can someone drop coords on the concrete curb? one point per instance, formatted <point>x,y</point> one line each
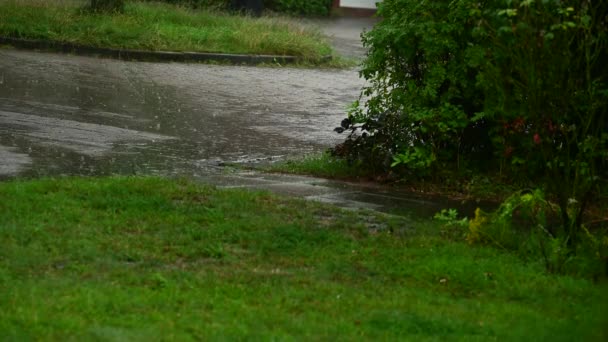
<point>142,55</point>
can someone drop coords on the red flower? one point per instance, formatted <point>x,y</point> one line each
<point>537,139</point>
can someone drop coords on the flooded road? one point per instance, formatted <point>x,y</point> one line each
<point>71,115</point>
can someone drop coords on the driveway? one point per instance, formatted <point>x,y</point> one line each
<point>345,34</point>
<point>63,114</point>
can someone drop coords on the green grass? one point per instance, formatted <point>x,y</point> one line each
<point>319,165</point>
<point>153,259</point>
<point>156,26</point>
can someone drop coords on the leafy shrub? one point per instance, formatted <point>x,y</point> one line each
<point>517,87</point>
<point>566,117</point>
<point>546,92</point>
<point>452,223</point>
<point>374,148</point>
<point>423,104</point>
<point>517,216</point>
<point>529,224</point>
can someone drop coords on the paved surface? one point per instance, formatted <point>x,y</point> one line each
<point>62,114</point>
<point>71,115</point>
<point>345,34</point>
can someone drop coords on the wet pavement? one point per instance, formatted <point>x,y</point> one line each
<point>63,114</point>
<point>345,34</point>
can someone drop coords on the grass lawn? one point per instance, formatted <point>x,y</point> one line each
<point>157,26</point>
<point>153,259</point>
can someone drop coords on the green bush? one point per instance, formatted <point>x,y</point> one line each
<point>424,105</point>
<point>525,223</point>
<point>546,91</point>
<point>516,87</point>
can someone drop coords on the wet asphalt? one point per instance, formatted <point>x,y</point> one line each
<point>71,114</point>
<point>65,114</point>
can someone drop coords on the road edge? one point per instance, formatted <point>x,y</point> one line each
<point>143,55</point>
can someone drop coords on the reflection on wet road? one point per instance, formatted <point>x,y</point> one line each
<point>62,114</point>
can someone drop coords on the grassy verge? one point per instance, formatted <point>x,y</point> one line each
<point>319,165</point>
<point>479,188</point>
<point>152,259</point>
<point>326,166</point>
<point>156,26</point>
